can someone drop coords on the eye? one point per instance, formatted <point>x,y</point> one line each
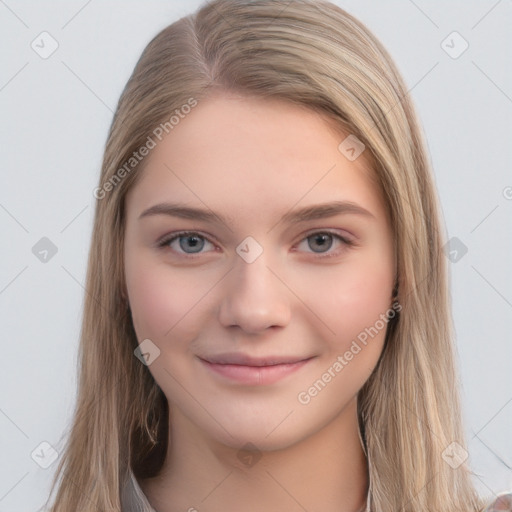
<point>324,240</point>
<point>190,243</point>
<point>186,240</point>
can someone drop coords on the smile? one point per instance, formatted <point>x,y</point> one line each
<point>253,372</point>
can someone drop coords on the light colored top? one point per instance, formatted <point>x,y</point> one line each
<point>132,497</point>
<point>134,500</point>
<point>502,503</point>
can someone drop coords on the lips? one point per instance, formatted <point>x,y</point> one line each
<point>245,369</point>
<point>246,360</point>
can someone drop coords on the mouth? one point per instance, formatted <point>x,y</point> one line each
<point>248,370</point>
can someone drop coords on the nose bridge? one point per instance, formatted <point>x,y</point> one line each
<point>254,298</point>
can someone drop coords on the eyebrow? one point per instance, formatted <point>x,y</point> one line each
<point>318,211</point>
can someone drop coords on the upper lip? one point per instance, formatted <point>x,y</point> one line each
<point>246,360</point>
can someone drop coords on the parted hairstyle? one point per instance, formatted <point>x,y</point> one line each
<point>314,54</point>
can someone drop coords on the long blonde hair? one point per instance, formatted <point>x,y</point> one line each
<point>315,54</point>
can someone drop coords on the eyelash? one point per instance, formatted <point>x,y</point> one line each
<point>164,243</point>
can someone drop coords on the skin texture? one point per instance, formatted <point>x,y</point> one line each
<point>252,161</point>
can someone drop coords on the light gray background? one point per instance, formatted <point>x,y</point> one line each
<point>55,114</point>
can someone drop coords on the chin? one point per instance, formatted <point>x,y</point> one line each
<point>270,432</point>
<point>253,437</point>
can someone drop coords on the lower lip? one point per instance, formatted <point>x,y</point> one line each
<point>255,375</point>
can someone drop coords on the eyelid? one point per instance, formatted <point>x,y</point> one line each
<point>346,241</point>
<point>345,235</point>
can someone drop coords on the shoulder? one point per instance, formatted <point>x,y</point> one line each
<point>503,502</point>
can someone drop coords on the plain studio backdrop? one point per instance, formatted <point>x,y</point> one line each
<point>64,65</point>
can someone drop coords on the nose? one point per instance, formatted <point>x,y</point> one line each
<point>255,296</point>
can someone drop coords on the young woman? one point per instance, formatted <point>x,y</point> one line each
<point>266,324</point>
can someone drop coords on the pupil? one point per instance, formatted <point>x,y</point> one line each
<point>322,238</point>
<point>194,242</point>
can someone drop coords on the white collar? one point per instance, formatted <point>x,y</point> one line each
<point>132,497</point>
<point>134,500</point>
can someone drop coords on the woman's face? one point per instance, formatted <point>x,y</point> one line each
<point>263,323</point>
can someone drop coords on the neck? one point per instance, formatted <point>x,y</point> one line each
<point>326,471</point>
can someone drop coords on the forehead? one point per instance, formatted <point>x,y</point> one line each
<point>252,154</point>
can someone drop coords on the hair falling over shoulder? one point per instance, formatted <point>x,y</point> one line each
<point>314,54</point>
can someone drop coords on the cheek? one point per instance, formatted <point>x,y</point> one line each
<point>368,295</point>
<point>161,302</point>
<point>352,302</point>
<point>351,298</point>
